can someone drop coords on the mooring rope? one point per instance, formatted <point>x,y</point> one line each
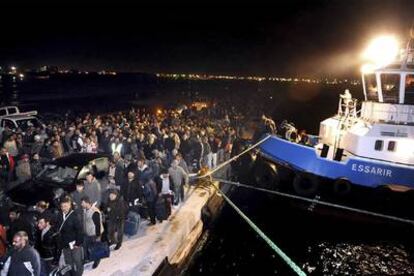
<point>209,174</point>
<point>222,165</point>
<point>285,257</point>
<point>317,201</point>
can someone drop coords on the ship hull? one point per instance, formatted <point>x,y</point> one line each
<point>358,170</point>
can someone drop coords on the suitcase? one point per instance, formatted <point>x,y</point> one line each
<point>60,271</point>
<point>132,223</point>
<point>98,250</point>
<point>161,211</point>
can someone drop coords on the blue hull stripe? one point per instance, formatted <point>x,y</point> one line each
<point>358,170</point>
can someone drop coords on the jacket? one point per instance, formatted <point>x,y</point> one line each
<point>22,262</point>
<point>116,210</point>
<point>131,190</point>
<point>69,230</point>
<point>150,191</point>
<point>178,176</point>
<point>93,191</point>
<point>47,245</point>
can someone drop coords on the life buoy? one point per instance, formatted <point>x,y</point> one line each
<point>291,135</point>
<point>266,175</point>
<point>342,187</point>
<point>305,184</point>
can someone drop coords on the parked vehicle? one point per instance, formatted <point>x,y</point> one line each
<point>57,177</point>
<point>15,122</point>
<point>14,110</point>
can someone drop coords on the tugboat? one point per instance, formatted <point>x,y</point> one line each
<point>369,144</point>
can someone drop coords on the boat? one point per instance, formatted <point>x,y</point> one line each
<point>369,144</point>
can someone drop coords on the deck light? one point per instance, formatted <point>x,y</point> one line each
<point>381,51</point>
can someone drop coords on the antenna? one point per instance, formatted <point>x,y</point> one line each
<point>409,50</point>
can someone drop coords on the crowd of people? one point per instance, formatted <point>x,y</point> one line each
<point>151,157</point>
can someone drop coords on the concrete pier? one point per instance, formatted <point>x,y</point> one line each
<point>167,243</point>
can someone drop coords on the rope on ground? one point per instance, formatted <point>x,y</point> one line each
<point>286,258</point>
<point>222,165</point>
<point>317,201</point>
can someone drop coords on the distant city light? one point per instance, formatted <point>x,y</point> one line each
<point>295,80</point>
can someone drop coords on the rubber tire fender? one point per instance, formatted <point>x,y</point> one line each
<point>305,184</point>
<point>342,187</point>
<point>266,175</point>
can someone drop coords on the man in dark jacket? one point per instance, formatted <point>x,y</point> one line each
<point>70,237</point>
<point>119,169</point>
<point>18,223</point>
<point>132,191</point>
<point>23,259</point>
<point>115,215</point>
<point>46,242</point>
<point>185,148</point>
<point>144,172</point>
<point>151,196</point>
<point>78,194</point>
<point>35,165</point>
<point>105,142</point>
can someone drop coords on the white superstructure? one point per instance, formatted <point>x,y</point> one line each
<point>383,127</point>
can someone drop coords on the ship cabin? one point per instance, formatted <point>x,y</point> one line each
<point>383,129</point>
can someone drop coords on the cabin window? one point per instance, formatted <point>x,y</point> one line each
<point>3,112</point>
<point>390,84</point>
<point>379,144</point>
<point>409,89</point>
<point>371,87</point>
<point>12,110</point>
<point>391,146</point>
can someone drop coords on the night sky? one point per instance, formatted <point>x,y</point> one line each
<point>309,38</point>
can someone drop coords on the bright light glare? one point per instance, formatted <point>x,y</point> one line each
<point>367,68</point>
<point>381,51</point>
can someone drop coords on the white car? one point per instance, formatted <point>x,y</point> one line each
<point>6,111</point>
<point>15,122</point>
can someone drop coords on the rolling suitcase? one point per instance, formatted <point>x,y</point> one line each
<point>160,209</point>
<point>132,224</point>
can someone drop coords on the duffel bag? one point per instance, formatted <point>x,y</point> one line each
<point>98,250</point>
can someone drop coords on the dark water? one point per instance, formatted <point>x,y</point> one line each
<point>233,248</point>
<point>305,104</point>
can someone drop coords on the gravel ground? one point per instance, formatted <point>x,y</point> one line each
<point>359,259</point>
